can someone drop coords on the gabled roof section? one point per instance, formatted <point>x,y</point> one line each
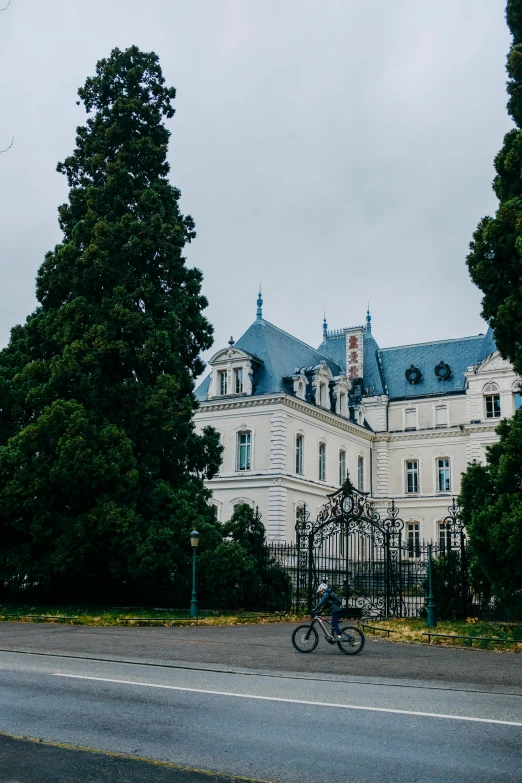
<point>280,354</point>
<point>458,354</point>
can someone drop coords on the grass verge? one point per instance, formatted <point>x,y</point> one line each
<point>411,630</point>
<point>132,616</point>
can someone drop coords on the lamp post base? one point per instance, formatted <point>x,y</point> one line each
<point>193,608</point>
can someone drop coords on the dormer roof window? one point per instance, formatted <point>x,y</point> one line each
<point>322,376</point>
<point>232,372</point>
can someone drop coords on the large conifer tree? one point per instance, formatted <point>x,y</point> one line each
<point>101,471</point>
<point>495,258</point>
<point>491,494</point>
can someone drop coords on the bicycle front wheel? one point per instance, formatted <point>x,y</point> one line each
<point>305,638</point>
<point>352,640</point>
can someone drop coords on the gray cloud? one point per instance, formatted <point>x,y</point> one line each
<point>340,151</point>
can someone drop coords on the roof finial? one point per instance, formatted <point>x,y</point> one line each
<point>259,305</point>
<point>325,327</point>
<point>368,320</point>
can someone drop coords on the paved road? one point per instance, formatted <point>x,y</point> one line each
<point>268,647</point>
<point>272,727</point>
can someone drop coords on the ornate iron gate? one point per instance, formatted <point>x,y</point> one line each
<point>369,561</point>
<point>354,549</point>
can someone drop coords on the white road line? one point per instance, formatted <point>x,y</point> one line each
<point>291,701</point>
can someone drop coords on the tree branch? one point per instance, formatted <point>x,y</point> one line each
<point>9,147</point>
<point>5,9</point>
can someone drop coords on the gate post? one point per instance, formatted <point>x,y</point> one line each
<point>432,617</point>
<point>310,569</point>
<point>387,573</point>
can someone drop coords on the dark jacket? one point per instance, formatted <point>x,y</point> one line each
<point>330,600</point>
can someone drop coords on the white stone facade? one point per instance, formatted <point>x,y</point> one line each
<point>282,450</point>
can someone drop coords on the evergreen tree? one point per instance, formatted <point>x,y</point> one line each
<point>101,470</point>
<point>241,571</point>
<point>491,498</point>
<point>491,495</point>
<point>495,258</point>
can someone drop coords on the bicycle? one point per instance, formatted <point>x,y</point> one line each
<point>305,638</point>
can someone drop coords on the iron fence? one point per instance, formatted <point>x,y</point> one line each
<point>367,559</point>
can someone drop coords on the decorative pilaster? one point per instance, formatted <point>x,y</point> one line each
<point>278,442</point>
<point>276,528</point>
<point>382,459</point>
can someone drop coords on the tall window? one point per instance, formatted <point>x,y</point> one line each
<point>342,467</point>
<point>441,416</point>
<point>299,449</point>
<point>360,473</point>
<point>238,376</point>
<point>413,539</point>
<point>323,395</point>
<point>322,462</point>
<point>343,407</point>
<point>492,400</point>
<point>517,398</point>
<point>243,451</point>
<point>443,475</point>
<point>299,514</point>
<point>223,382</point>
<point>412,475</point>
<point>410,419</point>
<point>444,537</point>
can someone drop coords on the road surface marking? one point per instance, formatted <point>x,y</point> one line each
<point>290,701</point>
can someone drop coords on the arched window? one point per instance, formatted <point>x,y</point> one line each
<point>322,462</point>
<point>492,401</point>
<point>413,534</point>
<point>517,396</point>
<point>342,467</point>
<point>443,474</point>
<point>360,474</point>
<point>244,450</point>
<point>299,454</point>
<point>412,475</point>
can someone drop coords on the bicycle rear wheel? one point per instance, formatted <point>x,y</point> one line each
<point>352,640</point>
<point>305,638</point>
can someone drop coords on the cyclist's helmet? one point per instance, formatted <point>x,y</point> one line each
<point>322,586</point>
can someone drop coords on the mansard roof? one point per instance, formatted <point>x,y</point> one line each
<point>459,354</point>
<point>281,355</point>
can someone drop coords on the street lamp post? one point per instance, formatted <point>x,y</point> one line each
<point>194,541</point>
<point>432,616</point>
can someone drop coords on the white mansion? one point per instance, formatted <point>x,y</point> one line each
<point>403,421</point>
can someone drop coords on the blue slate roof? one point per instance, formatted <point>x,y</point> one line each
<point>459,354</point>
<point>280,354</point>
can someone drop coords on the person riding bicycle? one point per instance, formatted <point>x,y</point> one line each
<point>330,600</point>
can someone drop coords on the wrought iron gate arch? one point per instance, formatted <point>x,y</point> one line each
<point>372,584</point>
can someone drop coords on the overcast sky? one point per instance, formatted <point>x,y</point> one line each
<point>338,151</point>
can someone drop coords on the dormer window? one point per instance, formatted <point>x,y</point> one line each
<point>232,372</point>
<point>223,382</point>
<point>323,395</point>
<point>341,389</point>
<point>321,385</point>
